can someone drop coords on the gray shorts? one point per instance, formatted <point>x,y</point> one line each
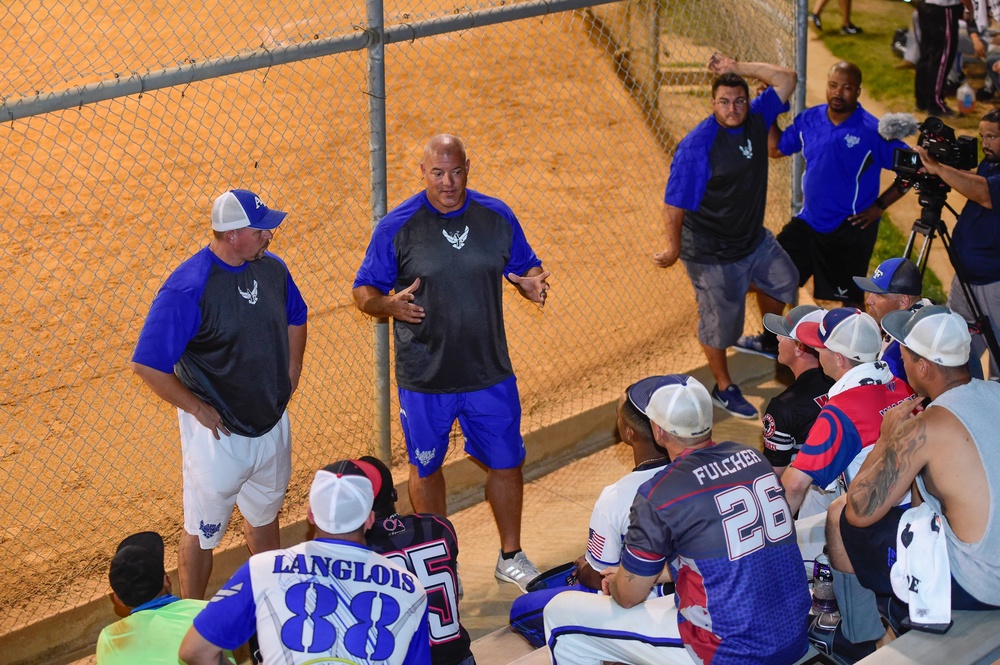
<point>721,289</point>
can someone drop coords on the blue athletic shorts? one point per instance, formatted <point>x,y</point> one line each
<point>490,419</point>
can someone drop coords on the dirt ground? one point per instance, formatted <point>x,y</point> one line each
<point>101,202</point>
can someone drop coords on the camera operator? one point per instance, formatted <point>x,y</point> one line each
<point>976,236</point>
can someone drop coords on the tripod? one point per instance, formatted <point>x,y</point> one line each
<point>928,225</point>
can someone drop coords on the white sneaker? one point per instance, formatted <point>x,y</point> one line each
<point>519,570</point>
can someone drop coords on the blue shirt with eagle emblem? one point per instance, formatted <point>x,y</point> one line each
<point>461,258</point>
<point>224,331</point>
<point>719,177</point>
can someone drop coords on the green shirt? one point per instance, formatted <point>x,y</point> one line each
<point>151,637</point>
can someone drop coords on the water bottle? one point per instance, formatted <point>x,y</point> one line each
<point>824,599</point>
<point>966,98</point>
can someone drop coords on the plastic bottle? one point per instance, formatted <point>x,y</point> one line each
<point>824,599</point>
<point>966,98</point>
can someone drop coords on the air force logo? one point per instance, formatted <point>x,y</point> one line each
<point>457,240</point>
<point>852,140</point>
<point>747,150</point>
<point>208,530</point>
<point>251,295</point>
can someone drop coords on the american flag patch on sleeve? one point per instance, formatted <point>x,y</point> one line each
<point>595,544</point>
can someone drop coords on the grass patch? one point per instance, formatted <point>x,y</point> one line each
<point>887,77</point>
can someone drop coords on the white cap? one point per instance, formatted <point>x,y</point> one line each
<point>238,209</point>
<point>847,331</point>
<point>342,495</point>
<point>934,332</point>
<point>681,406</point>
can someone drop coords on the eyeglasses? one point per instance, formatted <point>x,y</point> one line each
<point>738,103</point>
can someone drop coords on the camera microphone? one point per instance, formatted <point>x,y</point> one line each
<point>894,126</point>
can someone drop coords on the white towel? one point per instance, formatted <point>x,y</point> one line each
<point>921,576</point>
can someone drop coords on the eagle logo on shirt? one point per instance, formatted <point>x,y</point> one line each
<point>457,241</point>
<point>250,295</point>
<point>747,150</point>
<point>852,140</point>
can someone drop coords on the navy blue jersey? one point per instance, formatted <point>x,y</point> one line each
<point>719,177</point>
<point>976,237</point>
<point>426,545</point>
<point>718,517</point>
<point>843,164</point>
<point>790,415</point>
<point>224,331</point>
<point>461,258</point>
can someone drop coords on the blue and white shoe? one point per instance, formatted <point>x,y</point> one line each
<point>732,400</point>
<point>764,344</point>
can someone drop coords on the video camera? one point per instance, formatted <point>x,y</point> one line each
<point>939,140</point>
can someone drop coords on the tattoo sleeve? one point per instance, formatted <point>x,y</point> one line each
<point>895,461</point>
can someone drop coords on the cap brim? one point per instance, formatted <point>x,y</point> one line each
<point>867,285</point>
<point>269,221</point>
<point>641,391</point>
<point>808,334</point>
<point>775,323</point>
<point>894,324</point>
<point>147,540</point>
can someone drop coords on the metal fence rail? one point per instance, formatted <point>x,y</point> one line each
<point>123,122</point>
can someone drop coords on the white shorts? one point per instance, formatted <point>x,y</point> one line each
<point>589,628</point>
<point>251,472</point>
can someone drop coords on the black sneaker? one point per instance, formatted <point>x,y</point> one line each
<point>764,344</point>
<point>942,111</point>
<point>984,95</point>
<point>817,23</point>
<point>851,29</point>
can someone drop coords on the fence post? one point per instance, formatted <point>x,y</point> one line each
<point>799,101</point>
<point>379,205</point>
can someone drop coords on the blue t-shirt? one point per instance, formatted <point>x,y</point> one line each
<point>843,164</point>
<point>976,237</point>
<point>719,177</point>
<point>224,331</point>
<point>718,516</point>
<point>461,258</point>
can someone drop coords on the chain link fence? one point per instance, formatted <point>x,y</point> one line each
<point>568,116</point>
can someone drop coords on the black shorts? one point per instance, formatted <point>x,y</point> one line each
<point>872,551</point>
<point>833,260</point>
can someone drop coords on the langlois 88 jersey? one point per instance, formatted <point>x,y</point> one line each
<point>322,601</point>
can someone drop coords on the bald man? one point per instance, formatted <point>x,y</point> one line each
<point>832,237</point>
<point>436,265</point>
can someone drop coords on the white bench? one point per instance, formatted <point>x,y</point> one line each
<point>974,639</point>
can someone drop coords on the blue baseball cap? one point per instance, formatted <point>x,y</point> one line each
<point>893,276</point>
<point>239,209</point>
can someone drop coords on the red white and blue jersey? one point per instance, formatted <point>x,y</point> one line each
<point>426,545</point>
<point>850,422</point>
<point>321,601</point>
<point>718,516</point>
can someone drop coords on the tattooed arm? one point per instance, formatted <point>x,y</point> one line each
<point>628,589</point>
<point>899,454</point>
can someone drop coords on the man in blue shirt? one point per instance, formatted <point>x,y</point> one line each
<point>832,237</point>
<point>444,254</point>
<point>976,237</point>
<point>714,215</point>
<point>223,342</point>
